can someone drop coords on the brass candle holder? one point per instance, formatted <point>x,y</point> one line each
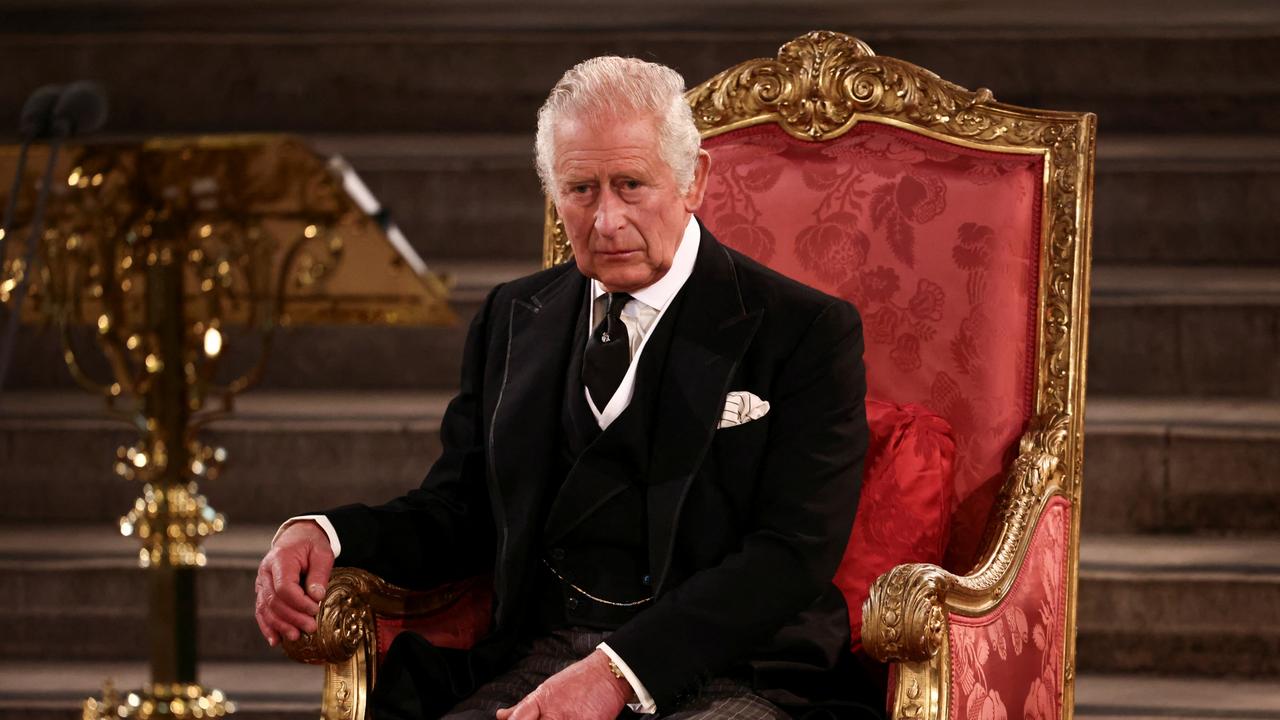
<point>167,248</point>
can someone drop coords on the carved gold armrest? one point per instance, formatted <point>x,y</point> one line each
<point>345,642</point>
<point>905,617</point>
<point>346,637</point>
<point>345,620</point>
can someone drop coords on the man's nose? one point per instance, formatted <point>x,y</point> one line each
<point>610,213</point>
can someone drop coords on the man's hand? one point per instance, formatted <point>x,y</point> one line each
<point>300,556</point>
<point>586,690</point>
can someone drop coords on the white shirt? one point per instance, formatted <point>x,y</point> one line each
<point>640,316</point>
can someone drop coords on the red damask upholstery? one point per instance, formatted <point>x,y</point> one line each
<point>459,623</point>
<point>1018,645</point>
<point>935,244</point>
<point>904,511</point>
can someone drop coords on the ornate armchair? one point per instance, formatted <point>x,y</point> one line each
<point>960,227</point>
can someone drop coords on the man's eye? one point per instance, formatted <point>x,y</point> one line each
<point>631,184</point>
<point>579,189</point>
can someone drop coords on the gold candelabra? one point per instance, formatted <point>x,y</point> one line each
<point>170,249</point>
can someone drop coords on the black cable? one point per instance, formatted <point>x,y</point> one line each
<point>12,204</point>
<point>59,113</point>
<point>28,265</point>
<point>35,122</point>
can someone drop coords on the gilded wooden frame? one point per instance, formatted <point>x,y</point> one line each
<point>818,87</point>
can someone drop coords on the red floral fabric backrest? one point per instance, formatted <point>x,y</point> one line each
<point>936,244</point>
<point>1010,659</point>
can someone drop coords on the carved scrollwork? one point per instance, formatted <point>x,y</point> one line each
<point>1035,475</point>
<point>346,622</point>
<point>348,613</point>
<point>346,637</point>
<point>1043,446</point>
<point>904,618</point>
<point>820,81</point>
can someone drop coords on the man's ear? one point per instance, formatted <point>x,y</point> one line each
<point>698,188</point>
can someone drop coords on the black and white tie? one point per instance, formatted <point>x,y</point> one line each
<point>608,353</point>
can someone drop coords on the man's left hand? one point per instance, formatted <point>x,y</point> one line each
<point>586,690</point>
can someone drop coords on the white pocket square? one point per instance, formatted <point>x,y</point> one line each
<point>741,407</point>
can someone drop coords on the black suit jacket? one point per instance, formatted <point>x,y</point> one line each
<point>747,524</point>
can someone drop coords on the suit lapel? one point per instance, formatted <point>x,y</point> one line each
<point>712,332</point>
<point>526,415</point>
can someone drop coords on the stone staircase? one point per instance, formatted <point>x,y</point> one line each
<point>1180,574</point>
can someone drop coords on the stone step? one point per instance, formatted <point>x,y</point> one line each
<point>456,196</point>
<point>1167,331</point>
<point>288,453</point>
<point>1185,331</point>
<point>346,68</point>
<point>1152,464</point>
<point>1180,605</point>
<point>1187,200</point>
<point>77,592</point>
<point>1172,605</point>
<point>1140,697</point>
<point>1181,465</point>
<point>1164,200</point>
<point>344,357</point>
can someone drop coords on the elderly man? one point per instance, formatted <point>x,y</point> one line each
<point>656,452</point>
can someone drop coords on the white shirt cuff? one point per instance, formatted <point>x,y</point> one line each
<point>325,525</point>
<point>646,706</point>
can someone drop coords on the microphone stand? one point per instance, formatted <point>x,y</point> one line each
<point>33,239</point>
<point>60,112</point>
<point>37,115</point>
<point>12,204</point>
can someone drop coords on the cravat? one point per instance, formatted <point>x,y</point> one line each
<point>608,353</point>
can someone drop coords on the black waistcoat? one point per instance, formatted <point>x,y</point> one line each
<point>596,536</point>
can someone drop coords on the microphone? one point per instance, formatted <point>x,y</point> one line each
<point>79,108</point>
<point>37,112</point>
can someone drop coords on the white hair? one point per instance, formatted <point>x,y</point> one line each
<point>610,87</point>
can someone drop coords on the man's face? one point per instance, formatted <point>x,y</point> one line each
<point>621,206</point>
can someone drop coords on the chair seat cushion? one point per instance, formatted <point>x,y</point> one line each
<point>904,514</point>
<point>456,615</point>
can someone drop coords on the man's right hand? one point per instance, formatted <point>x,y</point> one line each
<point>300,557</point>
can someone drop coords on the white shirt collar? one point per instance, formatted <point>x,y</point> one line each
<point>658,295</point>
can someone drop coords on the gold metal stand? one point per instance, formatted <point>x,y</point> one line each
<point>163,247</point>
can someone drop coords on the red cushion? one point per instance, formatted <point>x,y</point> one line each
<point>904,514</point>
